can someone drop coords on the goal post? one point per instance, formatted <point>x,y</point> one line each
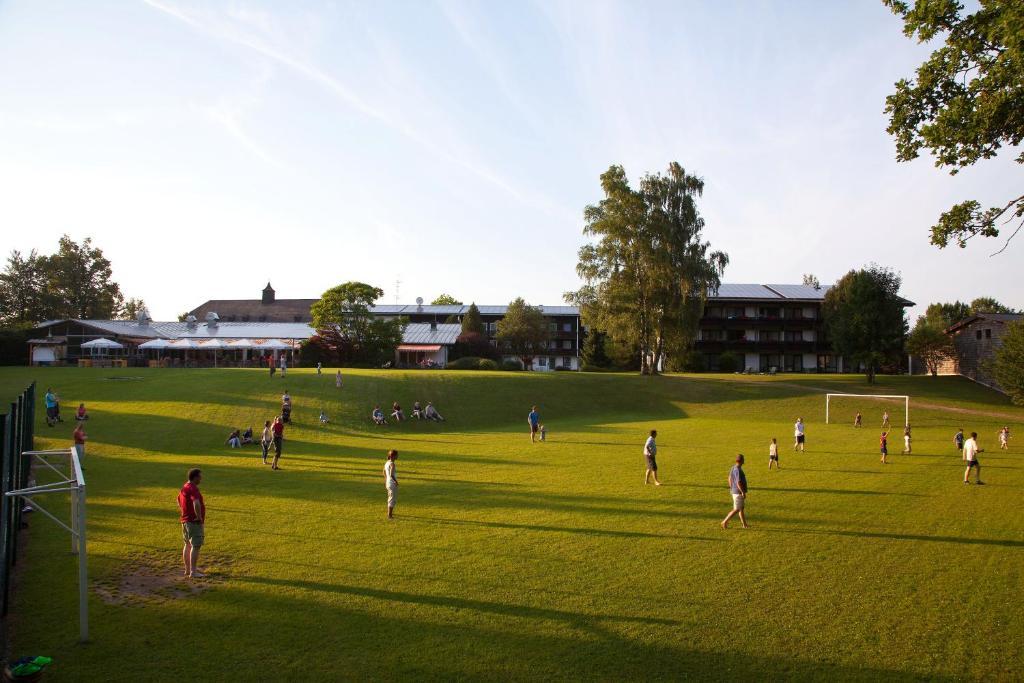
<point>890,397</point>
<point>71,481</point>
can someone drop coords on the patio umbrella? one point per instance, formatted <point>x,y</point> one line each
<point>214,344</point>
<point>183,344</point>
<point>275,344</point>
<point>102,343</point>
<point>157,344</point>
<point>242,344</point>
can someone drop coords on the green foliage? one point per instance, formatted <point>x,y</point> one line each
<point>511,365</point>
<point>965,102</point>
<point>445,300</point>
<point>730,361</point>
<point>687,361</point>
<point>348,330</point>
<point>487,364</point>
<point>593,353</point>
<point>131,309</point>
<point>14,345</point>
<point>464,363</point>
<point>648,274</point>
<point>865,318</point>
<point>931,344</point>
<point>523,331</point>
<point>943,315</point>
<point>811,280</point>
<point>471,321</point>
<point>75,282</point>
<point>986,304</point>
<point>1008,365</point>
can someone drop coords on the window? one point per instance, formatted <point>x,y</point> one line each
<point>712,335</point>
<point>735,312</point>
<point>567,327</point>
<point>566,344</point>
<point>736,335</point>
<point>566,362</point>
<point>542,361</point>
<point>794,362</point>
<point>772,312</point>
<point>713,312</point>
<point>827,363</point>
<point>988,334</point>
<point>978,334</point>
<point>553,327</point>
<point>770,360</point>
<point>769,336</point>
<point>794,336</point>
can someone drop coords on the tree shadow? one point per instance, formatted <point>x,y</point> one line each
<point>1008,543</point>
<point>557,529</point>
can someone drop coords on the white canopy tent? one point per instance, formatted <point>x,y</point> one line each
<point>155,344</point>
<point>216,345</point>
<point>274,344</point>
<point>100,347</point>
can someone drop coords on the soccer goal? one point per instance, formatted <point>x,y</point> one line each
<point>904,398</point>
<point>65,464</point>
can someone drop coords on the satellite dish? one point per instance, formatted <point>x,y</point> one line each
<point>419,301</point>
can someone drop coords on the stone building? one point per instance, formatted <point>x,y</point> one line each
<point>976,339</point>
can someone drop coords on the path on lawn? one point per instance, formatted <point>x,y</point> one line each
<point>919,404</point>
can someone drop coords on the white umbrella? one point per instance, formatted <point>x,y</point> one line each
<point>155,344</point>
<point>102,343</point>
<point>274,344</point>
<point>183,344</point>
<point>242,344</point>
<point>213,344</point>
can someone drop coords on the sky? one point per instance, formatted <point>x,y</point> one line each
<point>429,147</point>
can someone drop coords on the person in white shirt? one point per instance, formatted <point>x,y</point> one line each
<point>885,421</point>
<point>319,368</point>
<point>971,451</point>
<point>798,433</point>
<point>650,453</point>
<point>337,379</point>
<point>773,454</point>
<point>906,439</point>
<point>1004,438</point>
<point>430,412</point>
<point>391,481</point>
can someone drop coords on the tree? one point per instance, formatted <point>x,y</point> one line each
<point>523,332</point>
<point>965,102</point>
<point>811,280</point>
<point>865,319</point>
<point>986,304</point>
<point>648,275</point>
<point>593,353</point>
<point>445,300</point>
<point>346,327</point>
<point>931,344</point>
<point>472,322</point>
<point>131,309</point>
<point>79,282</point>
<point>23,299</point>
<point>1008,364</point>
<point>943,315</point>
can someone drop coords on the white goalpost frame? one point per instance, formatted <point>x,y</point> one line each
<point>72,481</point>
<point>906,402</point>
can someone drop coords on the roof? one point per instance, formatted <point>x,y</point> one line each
<point>280,310</point>
<point>414,309</point>
<point>420,333</point>
<point>1001,318</point>
<point>178,330</point>
<point>779,293</point>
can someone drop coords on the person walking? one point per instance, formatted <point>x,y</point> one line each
<point>80,437</point>
<point>193,522</point>
<point>857,421</point>
<point>284,366</point>
<point>650,455</point>
<point>773,454</point>
<point>278,429</point>
<point>885,421</point>
<point>270,364</point>
<point>738,489</point>
<point>1004,439</point>
<point>319,368</point>
<point>267,440</point>
<point>391,481</point>
<point>971,451</point>
<point>52,416</point>
<point>798,433</point>
<point>337,379</point>
<point>958,439</point>
<point>906,439</point>
<point>533,419</point>
<point>883,444</point>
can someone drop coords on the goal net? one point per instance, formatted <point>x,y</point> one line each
<point>65,470</point>
<point>831,412</point>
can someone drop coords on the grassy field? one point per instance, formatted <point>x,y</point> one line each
<point>512,560</point>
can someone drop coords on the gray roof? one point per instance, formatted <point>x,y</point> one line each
<point>413,309</point>
<point>731,291</point>
<point>177,330</point>
<point>804,292</point>
<point>420,333</point>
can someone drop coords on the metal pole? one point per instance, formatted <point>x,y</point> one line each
<point>83,570</point>
<point>828,397</point>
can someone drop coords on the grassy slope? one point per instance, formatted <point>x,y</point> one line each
<point>512,560</point>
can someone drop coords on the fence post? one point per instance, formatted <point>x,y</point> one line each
<point>5,513</point>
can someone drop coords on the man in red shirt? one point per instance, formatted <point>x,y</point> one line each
<point>278,429</point>
<point>193,518</point>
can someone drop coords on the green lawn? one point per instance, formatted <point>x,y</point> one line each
<point>512,560</point>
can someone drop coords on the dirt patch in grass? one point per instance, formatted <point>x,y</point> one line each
<point>147,580</point>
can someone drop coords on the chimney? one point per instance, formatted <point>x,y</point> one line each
<point>433,326</point>
<point>268,294</point>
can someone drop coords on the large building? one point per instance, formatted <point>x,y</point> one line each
<point>267,309</point>
<point>976,340</point>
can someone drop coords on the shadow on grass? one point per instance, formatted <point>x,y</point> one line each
<point>1007,543</point>
<point>558,529</point>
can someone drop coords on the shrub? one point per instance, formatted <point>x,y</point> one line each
<point>464,363</point>
<point>511,365</point>
<point>487,364</point>
<point>562,368</point>
<point>729,362</point>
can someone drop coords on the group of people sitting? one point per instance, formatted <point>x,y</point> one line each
<point>418,412</point>
<point>237,438</point>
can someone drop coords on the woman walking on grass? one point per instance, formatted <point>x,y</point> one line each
<point>391,481</point>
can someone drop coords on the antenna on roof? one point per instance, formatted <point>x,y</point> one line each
<point>398,284</point>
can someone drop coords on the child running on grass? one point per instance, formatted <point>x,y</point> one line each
<point>1004,438</point>
<point>773,454</point>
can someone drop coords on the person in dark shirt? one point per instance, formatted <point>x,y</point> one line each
<point>883,443</point>
<point>738,489</point>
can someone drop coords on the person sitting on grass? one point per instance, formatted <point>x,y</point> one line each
<point>81,415</point>
<point>323,417</point>
<point>378,416</point>
<point>430,412</point>
<point>396,412</point>
<point>234,439</point>
<point>417,411</point>
<point>247,436</point>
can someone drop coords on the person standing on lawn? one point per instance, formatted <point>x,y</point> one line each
<point>738,489</point>
<point>958,439</point>
<point>533,419</point>
<point>193,522</point>
<point>1004,439</point>
<point>883,444</point>
<point>885,421</point>
<point>773,454</point>
<point>798,434</point>
<point>971,451</point>
<point>906,439</point>
<point>267,440</point>
<point>80,437</point>
<point>650,455</point>
<point>391,481</point>
<point>337,379</point>
<point>278,430</point>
